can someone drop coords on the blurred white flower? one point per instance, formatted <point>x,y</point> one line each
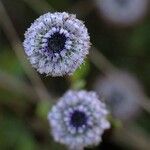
<point>56,43</point>
<point>122,93</point>
<point>123,12</point>
<point>78,119</point>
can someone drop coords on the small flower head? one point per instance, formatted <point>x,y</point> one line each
<point>123,12</point>
<point>56,43</point>
<point>122,93</point>
<point>78,119</point>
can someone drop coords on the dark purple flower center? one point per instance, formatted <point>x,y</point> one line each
<point>115,99</point>
<point>122,2</point>
<point>78,119</point>
<point>56,42</point>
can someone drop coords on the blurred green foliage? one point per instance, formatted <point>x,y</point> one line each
<point>23,121</point>
<point>15,135</point>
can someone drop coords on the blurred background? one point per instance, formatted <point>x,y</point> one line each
<point>120,46</point>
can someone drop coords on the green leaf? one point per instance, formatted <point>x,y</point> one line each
<point>43,108</point>
<point>81,72</point>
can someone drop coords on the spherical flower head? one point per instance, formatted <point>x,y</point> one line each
<point>122,93</point>
<point>122,12</point>
<point>56,43</point>
<point>78,119</point>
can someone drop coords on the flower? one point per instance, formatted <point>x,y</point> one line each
<point>56,43</point>
<point>122,93</point>
<point>123,12</point>
<point>78,119</point>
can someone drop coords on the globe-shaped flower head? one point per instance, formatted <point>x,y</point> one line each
<point>123,94</point>
<point>122,12</point>
<point>56,43</point>
<point>78,119</point>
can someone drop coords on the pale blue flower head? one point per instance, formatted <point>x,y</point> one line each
<point>56,43</point>
<point>123,94</point>
<point>122,12</point>
<point>78,119</point>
